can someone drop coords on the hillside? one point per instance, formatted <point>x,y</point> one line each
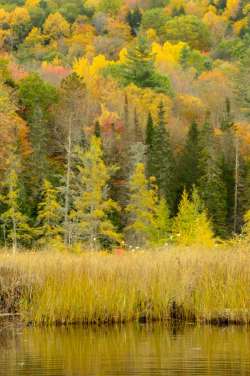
<point>124,122</point>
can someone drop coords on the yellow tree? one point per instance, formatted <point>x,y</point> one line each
<point>191,225</point>
<point>148,218</point>
<point>91,204</point>
<point>49,214</point>
<point>15,222</point>
<point>30,4</point>
<point>13,129</point>
<point>56,26</point>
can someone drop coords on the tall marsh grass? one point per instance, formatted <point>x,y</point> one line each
<point>196,285</point>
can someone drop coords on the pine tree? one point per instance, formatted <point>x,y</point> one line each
<point>139,68</point>
<point>147,217</point>
<point>242,89</point>
<point>97,129</point>
<point>15,222</point>
<point>134,20</point>
<point>36,97</point>
<point>49,214</point>
<point>191,225</point>
<point>149,145</point>
<point>188,163</point>
<point>91,206</point>
<point>162,161</point>
<point>211,185</point>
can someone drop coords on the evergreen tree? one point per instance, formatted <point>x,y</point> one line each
<point>191,225</point>
<point>227,120</point>
<point>242,89</point>
<point>188,164</point>
<point>134,20</point>
<point>36,98</point>
<point>162,161</point>
<point>211,184</point>
<point>49,214</point>
<point>97,129</point>
<point>139,68</point>
<point>228,167</point>
<point>148,221</point>
<point>91,206</point>
<point>15,222</point>
<point>149,145</point>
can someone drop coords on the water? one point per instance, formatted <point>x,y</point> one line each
<point>123,351</point>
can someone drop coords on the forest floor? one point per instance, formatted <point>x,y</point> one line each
<point>198,285</point>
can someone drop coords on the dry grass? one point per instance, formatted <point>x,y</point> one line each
<point>198,285</point>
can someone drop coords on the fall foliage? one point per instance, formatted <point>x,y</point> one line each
<point>143,101</point>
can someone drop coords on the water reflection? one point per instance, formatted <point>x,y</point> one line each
<point>127,350</point>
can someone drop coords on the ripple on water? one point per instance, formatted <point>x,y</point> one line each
<point>130,350</point>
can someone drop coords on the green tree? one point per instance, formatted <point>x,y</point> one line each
<point>110,6</point>
<point>148,221</point>
<point>188,163</point>
<point>162,161</point>
<point>149,146</point>
<point>49,214</point>
<point>211,183</point>
<point>139,68</point>
<point>155,19</point>
<point>97,129</point>
<point>188,29</point>
<point>92,206</point>
<point>36,100</point>
<point>191,225</point>
<point>242,89</point>
<point>134,20</point>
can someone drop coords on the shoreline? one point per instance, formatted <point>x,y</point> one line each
<point>179,285</point>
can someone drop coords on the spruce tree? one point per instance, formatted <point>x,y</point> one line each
<point>97,129</point>
<point>149,145</point>
<point>92,205</point>
<point>162,161</point>
<point>49,214</point>
<point>188,163</point>
<point>139,68</point>
<point>241,86</point>
<point>134,20</point>
<point>229,166</point>
<point>211,185</point>
<point>148,221</point>
<point>36,99</point>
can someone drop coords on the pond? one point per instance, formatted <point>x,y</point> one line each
<point>125,350</point>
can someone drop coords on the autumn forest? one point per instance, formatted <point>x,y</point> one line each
<point>124,123</point>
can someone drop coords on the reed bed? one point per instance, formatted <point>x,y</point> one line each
<point>173,284</point>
